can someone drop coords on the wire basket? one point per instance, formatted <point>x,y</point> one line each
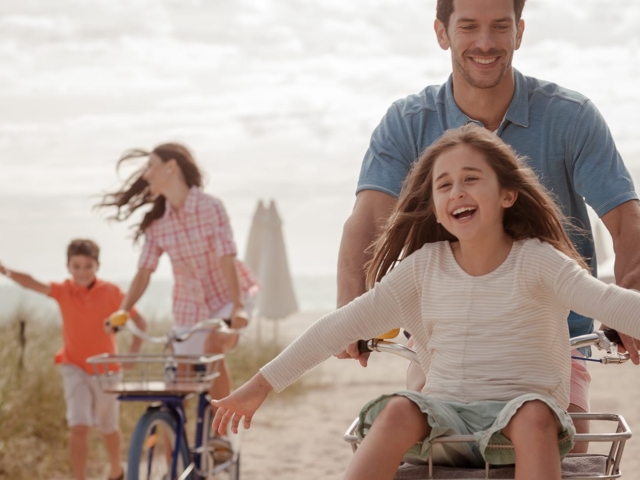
<point>153,374</point>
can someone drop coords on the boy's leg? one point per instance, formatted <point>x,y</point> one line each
<point>112,445</point>
<point>78,398</point>
<point>533,430</point>
<point>106,412</point>
<point>79,450</point>
<point>398,426</point>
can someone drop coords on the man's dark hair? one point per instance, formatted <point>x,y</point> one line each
<point>83,246</point>
<point>444,9</point>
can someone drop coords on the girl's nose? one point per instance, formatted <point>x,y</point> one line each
<point>457,191</point>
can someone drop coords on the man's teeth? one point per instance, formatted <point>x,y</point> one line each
<point>484,61</point>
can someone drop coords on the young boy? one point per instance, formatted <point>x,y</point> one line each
<point>85,302</point>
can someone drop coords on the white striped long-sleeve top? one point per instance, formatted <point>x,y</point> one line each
<point>489,337</point>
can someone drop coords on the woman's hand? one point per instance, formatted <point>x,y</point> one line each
<point>239,317</point>
<point>242,403</point>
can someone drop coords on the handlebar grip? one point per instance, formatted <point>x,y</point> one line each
<point>117,320</point>
<point>612,335</point>
<point>363,346</point>
<point>390,334</point>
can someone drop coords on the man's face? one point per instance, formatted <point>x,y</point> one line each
<point>482,35</point>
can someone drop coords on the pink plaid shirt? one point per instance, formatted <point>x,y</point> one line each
<point>195,238</point>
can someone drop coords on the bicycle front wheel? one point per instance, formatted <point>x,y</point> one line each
<point>151,448</point>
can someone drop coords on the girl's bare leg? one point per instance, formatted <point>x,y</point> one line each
<point>533,430</point>
<point>394,431</point>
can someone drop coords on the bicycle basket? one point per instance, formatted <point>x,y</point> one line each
<point>151,374</point>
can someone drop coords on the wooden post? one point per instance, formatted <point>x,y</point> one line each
<point>22,341</point>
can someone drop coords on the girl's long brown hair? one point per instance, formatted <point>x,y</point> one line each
<point>413,222</point>
<point>135,192</point>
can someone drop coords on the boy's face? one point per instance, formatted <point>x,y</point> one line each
<point>83,269</point>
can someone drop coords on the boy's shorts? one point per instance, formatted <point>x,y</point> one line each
<point>580,380</point>
<point>86,403</point>
<point>483,420</point>
<point>194,345</point>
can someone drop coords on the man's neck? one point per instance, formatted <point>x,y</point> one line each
<point>487,105</point>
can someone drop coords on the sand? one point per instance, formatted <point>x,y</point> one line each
<point>300,436</point>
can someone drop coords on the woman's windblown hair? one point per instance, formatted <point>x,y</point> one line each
<point>135,192</point>
<point>413,222</point>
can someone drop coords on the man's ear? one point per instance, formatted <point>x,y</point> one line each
<point>519,34</point>
<point>441,34</point>
<point>509,197</point>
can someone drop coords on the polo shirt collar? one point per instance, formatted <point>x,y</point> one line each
<point>518,111</point>
<point>189,203</point>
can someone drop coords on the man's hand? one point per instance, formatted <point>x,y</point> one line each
<point>352,352</point>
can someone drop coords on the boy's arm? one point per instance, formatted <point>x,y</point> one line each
<point>142,325</point>
<point>25,280</point>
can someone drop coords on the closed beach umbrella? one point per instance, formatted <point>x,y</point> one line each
<point>267,257</point>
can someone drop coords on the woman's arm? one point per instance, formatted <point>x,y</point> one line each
<point>142,325</point>
<point>136,289</point>
<point>239,317</point>
<point>25,280</point>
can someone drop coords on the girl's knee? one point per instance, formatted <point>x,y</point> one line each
<point>79,430</point>
<point>534,416</point>
<point>399,410</point>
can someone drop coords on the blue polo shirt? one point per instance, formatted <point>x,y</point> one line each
<point>560,132</point>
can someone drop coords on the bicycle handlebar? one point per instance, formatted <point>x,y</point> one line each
<point>120,320</point>
<point>601,339</point>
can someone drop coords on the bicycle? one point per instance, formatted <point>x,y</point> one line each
<point>574,466</point>
<point>159,448</point>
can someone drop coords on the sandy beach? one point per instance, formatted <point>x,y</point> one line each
<point>300,436</point>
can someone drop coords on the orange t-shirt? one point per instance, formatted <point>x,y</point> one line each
<point>84,311</point>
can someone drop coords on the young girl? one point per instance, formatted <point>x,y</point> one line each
<point>193,229</point>
<point>476,265</point>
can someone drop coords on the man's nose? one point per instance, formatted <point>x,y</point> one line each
<point>485,40</point>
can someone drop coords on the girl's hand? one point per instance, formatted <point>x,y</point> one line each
<point>239,317</point>
<point>242,403</point>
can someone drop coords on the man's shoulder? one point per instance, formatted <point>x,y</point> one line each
<point>424,102</point>
<point>545,90</point>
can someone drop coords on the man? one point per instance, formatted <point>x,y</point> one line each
<point>563,136</point>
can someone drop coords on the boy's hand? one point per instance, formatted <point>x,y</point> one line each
<point>242,403</point>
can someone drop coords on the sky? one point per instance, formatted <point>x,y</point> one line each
<point>277,99</point>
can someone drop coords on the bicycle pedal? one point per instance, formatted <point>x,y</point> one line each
<point>221,450</point>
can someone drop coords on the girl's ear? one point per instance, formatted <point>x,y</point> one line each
<point>509,197</point>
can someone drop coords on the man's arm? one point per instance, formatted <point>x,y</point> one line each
<point>25,280</point>
<point>623,223</point>
<point>371,210</point>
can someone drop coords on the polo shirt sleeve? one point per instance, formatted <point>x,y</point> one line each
<point>390,155</point>
<point>599,174</point>
<point>223,242</point>
<point>56,291</point>
<point>151,253</point>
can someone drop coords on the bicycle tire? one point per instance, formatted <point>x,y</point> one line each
<point>146,444</point>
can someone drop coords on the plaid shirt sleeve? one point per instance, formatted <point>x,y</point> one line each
<point>223,235</point>
<point>151,252</point>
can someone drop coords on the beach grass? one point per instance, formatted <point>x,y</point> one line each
<point>33,431</point>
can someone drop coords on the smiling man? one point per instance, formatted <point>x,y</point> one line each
<point>560,132</point>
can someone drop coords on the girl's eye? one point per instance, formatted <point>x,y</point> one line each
<point>443,185</point>
<point>471,179</point>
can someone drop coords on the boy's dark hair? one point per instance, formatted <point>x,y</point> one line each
<point>444,9</point>
<point>83,246</point>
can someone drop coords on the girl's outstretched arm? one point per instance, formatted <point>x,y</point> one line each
<point>241,403</point>
<point>25,280</point>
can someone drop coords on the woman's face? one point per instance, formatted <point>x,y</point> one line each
<point>158,174</point>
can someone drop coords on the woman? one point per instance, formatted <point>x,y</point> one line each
<point>193,228</point>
